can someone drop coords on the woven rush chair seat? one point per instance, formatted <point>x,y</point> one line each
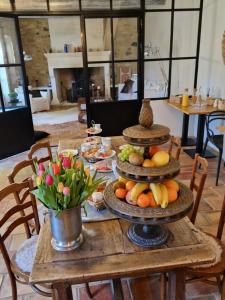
<point>22,262</point>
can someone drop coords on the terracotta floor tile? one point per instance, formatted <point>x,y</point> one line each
<point>17,240</point>
<point>6,291</point>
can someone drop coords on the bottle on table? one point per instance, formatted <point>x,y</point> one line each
<point>185,98</point>
<point>194,96</point>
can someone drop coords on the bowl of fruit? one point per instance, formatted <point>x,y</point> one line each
<point>148,202</point>
<point>144,164</point>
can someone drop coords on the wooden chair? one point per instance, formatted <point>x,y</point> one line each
<point>217,271</point>
<point>28,202</point>
<point>29,225</point>
<point>39,146</point>
<point>18,169</point>
<point>175,142</point>
<point>197,182</point>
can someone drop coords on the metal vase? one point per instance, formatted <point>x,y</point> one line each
<point>66,228</point>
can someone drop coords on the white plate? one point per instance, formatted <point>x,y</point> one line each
<point>68,152</point>
<point>91,131</point>
<point>107,163</point>
<point>113,152</point>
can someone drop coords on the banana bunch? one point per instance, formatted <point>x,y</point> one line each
<point>137,190</point>
<point>160,194</point>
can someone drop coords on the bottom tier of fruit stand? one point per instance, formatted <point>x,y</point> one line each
<point>147,229</point>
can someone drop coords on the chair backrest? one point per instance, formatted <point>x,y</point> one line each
<point>211,120</point>
<point>17,170</point>
<point>221,221</point>
<point>198,178</point>
<point>40,146</point>
<point>28,204</point>
<point>175,142</point>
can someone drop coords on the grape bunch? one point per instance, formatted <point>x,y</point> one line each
<point>127,149</point>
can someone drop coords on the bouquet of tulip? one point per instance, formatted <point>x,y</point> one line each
<point>64,184</point>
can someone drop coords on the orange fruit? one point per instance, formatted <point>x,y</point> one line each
<point>172,184</point>
<point>130,184</point>
<point>172,195</point>
<point>143,200</point>
<point>151,199</point>
<point>148,163</point>
<point>152,150</point>
<point>121,193</point>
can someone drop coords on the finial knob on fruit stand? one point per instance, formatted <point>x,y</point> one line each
<point>146,114</point>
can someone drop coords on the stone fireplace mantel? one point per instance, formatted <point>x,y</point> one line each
<point>58,61</point>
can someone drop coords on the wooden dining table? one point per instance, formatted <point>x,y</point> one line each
<point>201,112</point>
<point>108,254</point>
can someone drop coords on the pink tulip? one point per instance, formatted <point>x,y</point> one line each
<point>66,191</point>
<point>41,167</point>
<point>40,172</point>
<point>66,162</point>
<point>49,180</point>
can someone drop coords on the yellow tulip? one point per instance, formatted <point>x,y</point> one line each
<point>38,180</point>
<point>60,187</point>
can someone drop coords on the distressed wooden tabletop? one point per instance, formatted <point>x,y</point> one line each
<point>107,253</point>
<point>193,110</point>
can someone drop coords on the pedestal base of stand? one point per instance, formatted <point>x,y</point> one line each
<point>148,236</point>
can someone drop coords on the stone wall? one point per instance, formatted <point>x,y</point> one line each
<point>36,41</point>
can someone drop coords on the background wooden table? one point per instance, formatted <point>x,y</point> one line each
<point>201,112</point>
<point>108,254</point>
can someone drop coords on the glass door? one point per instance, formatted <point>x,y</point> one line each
<point>16,127</point>
<point>112,62</point>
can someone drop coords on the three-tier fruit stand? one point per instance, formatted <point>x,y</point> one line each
<point>147,227</point>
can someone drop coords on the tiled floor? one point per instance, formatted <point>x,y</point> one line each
<point>142,289</point>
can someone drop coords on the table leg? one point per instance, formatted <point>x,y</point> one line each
<point>199,141</point>
<point>185,140</point>
<point>176,285</point>
<point>62,291</point>
<point>117,290</point>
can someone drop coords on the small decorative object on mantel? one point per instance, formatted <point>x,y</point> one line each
<point>146,115</point>
<point>63,187</point>
<point>223,47</point>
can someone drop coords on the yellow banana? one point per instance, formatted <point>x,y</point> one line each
<point>155,187</point>
<point>164,192</point>
<point>137,190</point>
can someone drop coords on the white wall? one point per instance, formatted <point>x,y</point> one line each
<point>67,30</point>
<point>211,66</point>
<point>64,30</point>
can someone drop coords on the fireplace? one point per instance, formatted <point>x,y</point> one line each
<point>67,74</point>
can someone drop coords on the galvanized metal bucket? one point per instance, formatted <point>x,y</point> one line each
<point>66,229</point>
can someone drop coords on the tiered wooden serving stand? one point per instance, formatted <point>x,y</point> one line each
<point>147,228</point>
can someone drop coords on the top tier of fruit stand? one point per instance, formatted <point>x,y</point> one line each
<point>153,135</point>
<point>142,136</point>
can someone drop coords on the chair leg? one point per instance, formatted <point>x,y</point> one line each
<point>90,295</point>
<point>163,286</point>
<point>218,166</point>
<point>222,289</point>
<point>205,146</point>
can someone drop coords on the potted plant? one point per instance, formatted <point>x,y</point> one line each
<point>13,97</point>
<point>63,187</point>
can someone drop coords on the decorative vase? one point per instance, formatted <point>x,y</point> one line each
<point>66,228</point>
<point>146,115</point>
